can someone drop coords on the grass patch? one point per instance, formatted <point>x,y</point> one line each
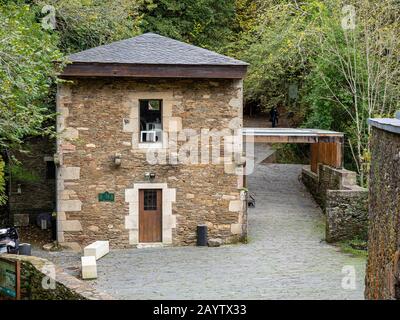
<point>355,247</point>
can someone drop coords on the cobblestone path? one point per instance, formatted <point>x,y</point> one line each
<point>286,257</point>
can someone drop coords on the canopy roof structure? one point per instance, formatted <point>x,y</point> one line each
<point>292,135</point>
<point>326,146</point>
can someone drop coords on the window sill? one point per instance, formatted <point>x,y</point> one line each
<point>150,145</point>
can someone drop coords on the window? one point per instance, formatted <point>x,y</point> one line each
<point>50,170</point>
<point>150,115</point>
<point>150,200</point>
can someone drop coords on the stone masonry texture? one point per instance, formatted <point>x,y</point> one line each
<point>42,280</point>
<point>383,267</point>
<point>344,203</point>
<point>99,118</point>
<point>346,215</point>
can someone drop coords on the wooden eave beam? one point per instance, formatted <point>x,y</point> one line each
<point>79,69</point>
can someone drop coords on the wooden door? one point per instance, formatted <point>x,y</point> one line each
<point>150,215</point>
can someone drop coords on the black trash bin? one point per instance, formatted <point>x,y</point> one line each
<point>202,235</point>
<point>24,249</point>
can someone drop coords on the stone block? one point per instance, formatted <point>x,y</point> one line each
<point>170,195</point>
<point>133,208</point>
<point>228,197</point>
<point>97,249</point>
<point>229,167</point>
<point>175,124</point>
<point>89,267</point>
<point>133,237</point>
<point>69,225</point>
<point>61,216</point>
<point>70,133</point>
<point>60,236</point>
<point>236,228</point>
<point>169,222</point>
<point>69,173</point>
<point>214,242</point>
<point>21,220</point>
<point>235,103</point>
<point>131,222</point>
<point>69,205</point>
<point>94,228</point>
<point>66,194</point>
<point>235,205</point>
<point>167,236</point>
<point>131,195</point>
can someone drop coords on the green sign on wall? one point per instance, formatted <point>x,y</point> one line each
<point>106,197</point>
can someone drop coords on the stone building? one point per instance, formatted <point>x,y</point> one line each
<point>136,162</point>
<point>383,266</point>
<point>31,188</point>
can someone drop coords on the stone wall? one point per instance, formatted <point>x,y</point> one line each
<point>37,196</point>
<point>346,215</point>
<point>99,118</point>
<point>36,274</point>
<point>383,267</point>
<point>344,203</point>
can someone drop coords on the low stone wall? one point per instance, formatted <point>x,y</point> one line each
<point>346,215</point>
<point>383,266</point>
<point>36,276</point>
<point>344,203</point>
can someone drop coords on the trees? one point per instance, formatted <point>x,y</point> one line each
<point>27,52</point>
<point>206,23</point>
<point>343,58</point>
<point>356,72</point>
<point>86,24</point>
<point>280,50</point>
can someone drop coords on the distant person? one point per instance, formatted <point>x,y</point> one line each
<point>273,116</point>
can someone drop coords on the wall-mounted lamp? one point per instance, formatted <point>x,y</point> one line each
<point>117,159</point>
<point>19,190</point>
<point>149,176</point>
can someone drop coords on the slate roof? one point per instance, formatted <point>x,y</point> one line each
<point>151,48</point>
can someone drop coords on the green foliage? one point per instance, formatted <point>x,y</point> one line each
<point>354,75</point>
<point>21,174</point>
<point>84,24</point>
<point>279,52</point>
<point>27,52</point>
<point>206,23</point>
<point>292,153</point>
<point>27,74</point>
<point>355,247</point>
<point>3,197</point>
<point>344,75</point>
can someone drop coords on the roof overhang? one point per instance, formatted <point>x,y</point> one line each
<point>291,135</point>
<point>93,69</point>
